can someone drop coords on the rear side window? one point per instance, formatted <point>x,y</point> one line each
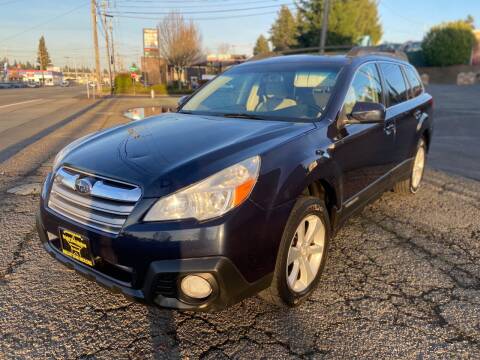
<point>396,90</point>
<point>415,83</point>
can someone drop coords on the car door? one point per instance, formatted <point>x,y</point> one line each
<point>417,112</point>
<point>364,151</point>
<point>399,111</point>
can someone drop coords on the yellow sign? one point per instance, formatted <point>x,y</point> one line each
<point>75,246</point>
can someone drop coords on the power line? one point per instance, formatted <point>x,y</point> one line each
<point>198,19</point>
<point>177,1</point>
<point>9,2</point>
<point>398,14</point>
<point>44,22</point>
<point>112,12</point>
<point>180,6</point>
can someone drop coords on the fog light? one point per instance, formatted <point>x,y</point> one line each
<point>196,287</point>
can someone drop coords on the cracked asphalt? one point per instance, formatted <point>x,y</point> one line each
<point>402,280</point>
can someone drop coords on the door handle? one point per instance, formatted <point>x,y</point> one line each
<point>390,128</point>
<point>417,114</point>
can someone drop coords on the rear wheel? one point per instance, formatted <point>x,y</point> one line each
<point>302,254</point>
<point>411,185</point>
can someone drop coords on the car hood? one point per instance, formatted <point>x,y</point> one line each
<point>164,153</point>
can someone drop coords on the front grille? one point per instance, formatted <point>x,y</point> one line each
<point>105,205</point>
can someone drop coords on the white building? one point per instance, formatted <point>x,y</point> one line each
<point>50,78</point>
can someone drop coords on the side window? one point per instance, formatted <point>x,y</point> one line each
<point>365,87</point>
<point>396,88</point>
<point>414,81</point>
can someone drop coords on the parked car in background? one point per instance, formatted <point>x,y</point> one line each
<point>12,85</point>
<point>19,85</point>
<point>242,189</point>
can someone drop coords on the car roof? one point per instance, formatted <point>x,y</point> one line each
<point>340,60</point>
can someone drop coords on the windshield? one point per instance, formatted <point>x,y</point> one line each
<point>300,93</point>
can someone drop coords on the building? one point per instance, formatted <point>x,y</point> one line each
<point>47,77</point>
<point>154,70</point>
<point>217,63</point>
<point>212,64</point>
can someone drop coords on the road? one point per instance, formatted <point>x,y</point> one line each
<point>402,279</point>
<point>28,114</point>
<point>457,129</point>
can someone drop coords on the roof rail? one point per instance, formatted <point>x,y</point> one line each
<point>377,50</point>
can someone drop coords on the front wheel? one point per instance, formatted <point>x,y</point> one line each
<point>302,254</point>
<point>411,185</point>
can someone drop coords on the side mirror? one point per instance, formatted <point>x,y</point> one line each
<point>366,113</point>
<point>182,100</point>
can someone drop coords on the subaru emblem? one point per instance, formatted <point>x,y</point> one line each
<point>83,186</point>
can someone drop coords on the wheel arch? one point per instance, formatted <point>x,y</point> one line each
<point>323,189</point>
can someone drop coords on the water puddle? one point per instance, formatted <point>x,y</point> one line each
<point>141,113</point>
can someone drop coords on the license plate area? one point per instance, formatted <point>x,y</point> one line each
<point>76,246</point>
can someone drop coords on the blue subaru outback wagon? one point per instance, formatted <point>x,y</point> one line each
<point>240,191</point>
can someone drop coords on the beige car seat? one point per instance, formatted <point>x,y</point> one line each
<point>275,97</point>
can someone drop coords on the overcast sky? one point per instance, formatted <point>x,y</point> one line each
<point>66,23</point>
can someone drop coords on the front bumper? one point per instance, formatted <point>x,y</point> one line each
<point>161,282</point>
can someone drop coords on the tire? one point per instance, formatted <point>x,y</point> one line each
<point>293,283</point>
<point>412,184</point>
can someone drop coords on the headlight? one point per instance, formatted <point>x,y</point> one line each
<point>211,197</point>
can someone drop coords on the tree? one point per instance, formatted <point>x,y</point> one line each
<point>179,42</point>
<point>224,48</point>
<point>471,21</point>
<point>261,46</point>
<point>43,58</point>
<point>284,30</point>
<point>449,43</point>
<point>348,22</point>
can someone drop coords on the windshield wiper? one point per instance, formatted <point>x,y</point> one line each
<point>243,116</point>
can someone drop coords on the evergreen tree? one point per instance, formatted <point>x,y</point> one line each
<point>43,58</point>
<point>261,46</point>
<point>348,21</point>
<point>284,30</point>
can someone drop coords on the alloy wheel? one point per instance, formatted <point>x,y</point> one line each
<point>305,253</point>
<point>418,166</point>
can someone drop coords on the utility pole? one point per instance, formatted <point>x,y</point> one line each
<point>323,35</point>
<point>113,50</point>
<point>76,73</point>
<point>93,9</point>
<point>107,46</point>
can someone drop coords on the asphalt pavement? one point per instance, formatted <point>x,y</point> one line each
<point>402,279</point>
<point>456,147</point>
<point>26,115</point>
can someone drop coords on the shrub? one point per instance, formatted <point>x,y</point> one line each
<point>160,89</point>
<point>173,90</point>
<point>449,44</point>
<point>124,85</point>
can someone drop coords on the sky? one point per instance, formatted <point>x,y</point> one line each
<point>66,24</point>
